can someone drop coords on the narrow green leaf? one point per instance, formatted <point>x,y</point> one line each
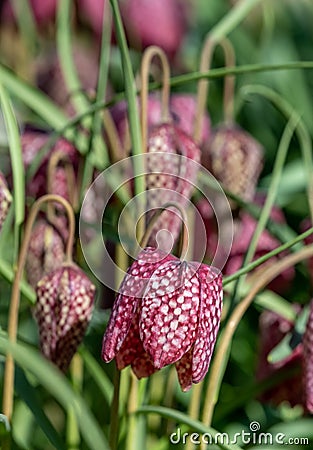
<point>59,387</point>
<point>8,273</point>
<point>64,48</point>
<point>99,376</point>
<point>131,97</point>
<point>194,425</point>
<point>29,395</point>
<point>16,156</point>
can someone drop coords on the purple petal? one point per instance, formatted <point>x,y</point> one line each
<point>169,314</point>
<point>210,314</point>
<point>127,300</point>
<point>184,371</point>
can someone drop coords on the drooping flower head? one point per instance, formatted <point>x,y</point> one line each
<point>5,199</point>
<point>63,310</point>
<point>167,312</point>
<point>45,252</point>
<point>235,159</point>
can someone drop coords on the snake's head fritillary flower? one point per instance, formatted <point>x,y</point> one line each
<point>169,179</point>
<point>308,362</point>
<point>5,199</point>
<point>45,251</point>
<point>235,159</point>
<point>274,328</point>
<point>63,310</point>
<point>167,312</point>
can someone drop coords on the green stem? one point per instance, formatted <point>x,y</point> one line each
<point>72,432</point>
<point>64,48</point>
<point>259,261</point>
<point>27,25</point>
<point>97,141</point>
<point>301,131</point>
<point>229,22</point>
<point>131,97</point>
<point>17,166</point>
<point>114,424</point>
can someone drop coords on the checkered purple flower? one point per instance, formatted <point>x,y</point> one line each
<point>63,310</point>
<point>167,312</point>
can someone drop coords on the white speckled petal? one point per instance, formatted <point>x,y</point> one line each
<point>169,313</point>
<point>210,315</point>
<point>127,300</point>
<point>63,310</point>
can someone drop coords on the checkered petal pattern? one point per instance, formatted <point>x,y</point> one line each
<point>45,252</point>
<point>170,315</point>
<point>63,310</point>
<point>235,159</point>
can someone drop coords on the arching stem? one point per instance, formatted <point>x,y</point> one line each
<point>154,219</point>
<point>203,85</point>
<point>147,57</point>
<point>8,385</point>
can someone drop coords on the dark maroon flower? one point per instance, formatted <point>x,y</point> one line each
<point>63,310</point>
<point>45,251</point>
<point>5,199</point>
<point>235,159</point>
<point>273,328</point>
<point>308,362</point>
<point>167,311</point>
<point>267,242</point>
<point>161,23</point>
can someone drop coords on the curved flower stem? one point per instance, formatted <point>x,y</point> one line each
<point>203,85</point>
<point>147,57</point>
<point>154,219</point>
<point>260,280</point>
<point>8,384</point>
<point>301,131</point>
<point>57,157</point>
